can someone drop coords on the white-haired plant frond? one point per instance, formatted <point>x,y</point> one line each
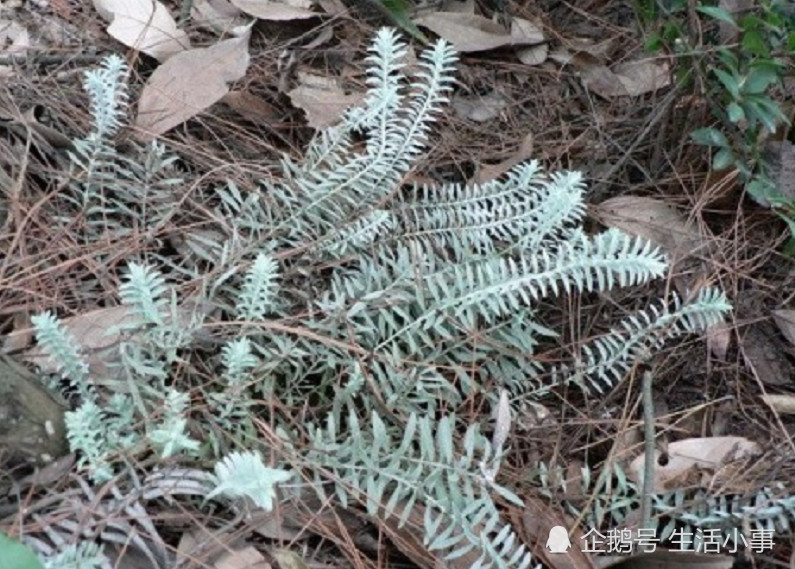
<point>60,345</point>
<point>243,474</point>
<point>86,429</point>
<point>146,292</point>
<point>169,436</point>
<point>83,555</point>
<point>258,292</point>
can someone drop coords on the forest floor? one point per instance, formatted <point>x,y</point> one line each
<point>571,86</point>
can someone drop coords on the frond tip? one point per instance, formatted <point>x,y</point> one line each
<point>243,474</point>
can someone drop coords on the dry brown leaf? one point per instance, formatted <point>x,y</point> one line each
<point>480,108</point>
<point>287,559</point>
<point>689,457</point>
<point>98,333</point>
<point>251,107</point>
<point>218,15</point>
<point>225,552</point>
<point>276,10</point>
<point>188,83</point>
<point>664,226</point>
<point>785,320</point>
<point>764,353</point>
<point>628,79</point>
<point>144,25</point>
<point>537,54</point>
<point>322,99</point>
<point>245,558</point>
<point>469,32</point>
<point>645,76</point>
<point>15,40</point>
<point>488,172</point>
<point>784,403</point>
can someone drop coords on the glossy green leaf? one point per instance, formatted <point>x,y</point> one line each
<point>399,12</point>
<point>736,112</point>
<point>17,556</point>
<point>709,137</point>
<point>722,159</point>
<point>763,191</point>
<point>759,78</point>
<point>729,81</point>
<point>717,13</point>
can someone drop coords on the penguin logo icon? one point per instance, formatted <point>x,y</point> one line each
<point>558,541</point>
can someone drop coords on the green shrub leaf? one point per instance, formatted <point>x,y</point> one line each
<point>17,556</point>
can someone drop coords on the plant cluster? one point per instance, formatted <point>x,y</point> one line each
<point>386,306</point>
<point>742,82</point>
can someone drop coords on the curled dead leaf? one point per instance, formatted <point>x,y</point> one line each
<point>783,403</point>
<point>145,25</point>
<point>470,32</point>
<point>690,457</point>
<point>188,83</point>
<point>785,320</point>
<point>322,99</point>
<point>276,9</point>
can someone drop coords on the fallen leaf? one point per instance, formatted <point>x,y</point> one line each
<point>765,355</point>
<point>252,107</point>
<point>690,456</point>
<point>785,320</point>
<point>15,40</point>
<point>322,99</point>
<point>275,10</point>
<point>145,25</point>
<point>218,15</point>
<point>469,32</point>
<point>535,55</point>
<point>98,333</point>
<point>627,79</point>
<point>188,83</point>
<point>288,559</point>
<point>646,76</point>
<point>480,108</point>
<point>784,403</point>
<point>488,172</point>
<point>664,226</point>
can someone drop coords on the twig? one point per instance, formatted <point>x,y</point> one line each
<point>649,455</point>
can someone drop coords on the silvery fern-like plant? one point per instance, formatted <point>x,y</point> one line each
<point>103,425</point>
<point>243,474</point>
<point>106,185</point>
<point>432,294</point>
<point>394,304</point>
